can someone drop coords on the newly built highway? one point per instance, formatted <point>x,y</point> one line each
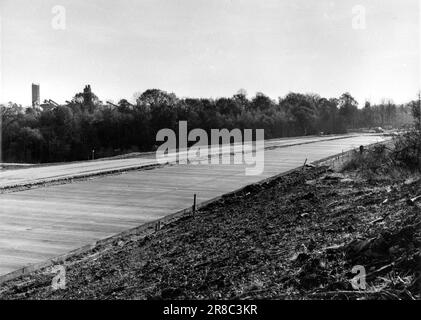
<point>46,221</point>
<point>46,173</point>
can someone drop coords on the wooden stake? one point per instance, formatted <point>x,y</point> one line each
<point>194,204</point>
<point>158,226</point>
<point>304,165</point>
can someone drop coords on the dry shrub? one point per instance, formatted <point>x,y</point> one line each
<point>407,150</point>
<point>375,160</point>
<point>393,160</point>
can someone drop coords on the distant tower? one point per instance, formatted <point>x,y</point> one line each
<point>87,95</point>
<point>35,95</point>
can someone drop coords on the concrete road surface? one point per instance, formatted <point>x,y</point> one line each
<point>24,176</point>
<point>45,222</point>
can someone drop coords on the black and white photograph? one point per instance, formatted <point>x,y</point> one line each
<point>212,154</point>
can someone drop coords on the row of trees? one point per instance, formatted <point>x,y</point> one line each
<point>70,132</point>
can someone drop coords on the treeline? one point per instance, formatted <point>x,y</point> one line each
<point>70,132</point>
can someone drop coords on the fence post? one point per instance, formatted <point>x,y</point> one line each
<point>304,165</point>
<point>158,225</point>
<point>194,205</point>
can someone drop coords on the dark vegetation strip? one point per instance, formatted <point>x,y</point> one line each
<point>85,128</point>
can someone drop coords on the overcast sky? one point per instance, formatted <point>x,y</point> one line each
<point>210,48</point>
